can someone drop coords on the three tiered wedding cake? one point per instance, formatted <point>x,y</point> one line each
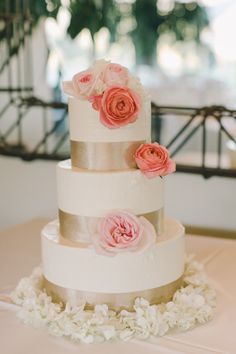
<point>113,243</point>
<point>112,257</point>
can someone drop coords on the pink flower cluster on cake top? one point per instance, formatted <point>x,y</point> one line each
<point>112,91</point>
<point>117,96</point>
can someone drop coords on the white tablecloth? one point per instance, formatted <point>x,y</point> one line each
<point>20,252</point>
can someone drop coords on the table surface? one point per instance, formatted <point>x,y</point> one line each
<point>20,252</point>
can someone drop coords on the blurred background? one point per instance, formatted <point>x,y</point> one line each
<point>184,54</point>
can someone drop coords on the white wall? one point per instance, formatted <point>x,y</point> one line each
<point>27,190</point>
<point>199,202</point>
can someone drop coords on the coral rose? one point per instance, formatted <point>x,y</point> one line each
<point>119,107</point>
<point>122,231</point>
<point>96,101</point>
<point>115,74</point>
<point>153,160</point>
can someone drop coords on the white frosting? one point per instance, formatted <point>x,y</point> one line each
<point>89,193</point>
<point>80,268</point>
<point>85,124</point>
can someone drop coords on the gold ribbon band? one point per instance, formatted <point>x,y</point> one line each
<point>115,302</point>
<point>104,156</point>
<point>76,227</point>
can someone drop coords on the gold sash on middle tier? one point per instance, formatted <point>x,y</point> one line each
<point>77,227</point>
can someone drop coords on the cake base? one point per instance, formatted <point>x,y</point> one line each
<point>192,304</point>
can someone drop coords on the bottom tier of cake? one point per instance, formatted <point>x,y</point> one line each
<point>74,273</point>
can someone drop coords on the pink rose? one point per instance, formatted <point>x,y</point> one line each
<point>115,74</point>
<point>119,107</point>
<point>121,231</point>
<point>153,160</point>
<point>83,84</point>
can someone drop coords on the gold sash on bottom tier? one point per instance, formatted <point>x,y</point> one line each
<point>115,302</point>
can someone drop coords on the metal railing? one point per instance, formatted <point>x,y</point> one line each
<point>196,120</point>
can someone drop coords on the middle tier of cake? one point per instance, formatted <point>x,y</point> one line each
<point>84,196</point>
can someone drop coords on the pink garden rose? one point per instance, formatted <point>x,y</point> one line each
<point>115,74</point>
<point>122,231</point>
<point>153,160</point>
<point>83,83</point>
<point>119,106</point>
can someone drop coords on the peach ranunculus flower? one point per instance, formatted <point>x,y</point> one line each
<point>119,107</point>
<point>115,74</point>
<point>122,231</point>
<point>154,160</point>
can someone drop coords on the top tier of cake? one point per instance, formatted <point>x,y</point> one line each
<point>108,104</point>
<point>109,117</point>
<point>85,125</point>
